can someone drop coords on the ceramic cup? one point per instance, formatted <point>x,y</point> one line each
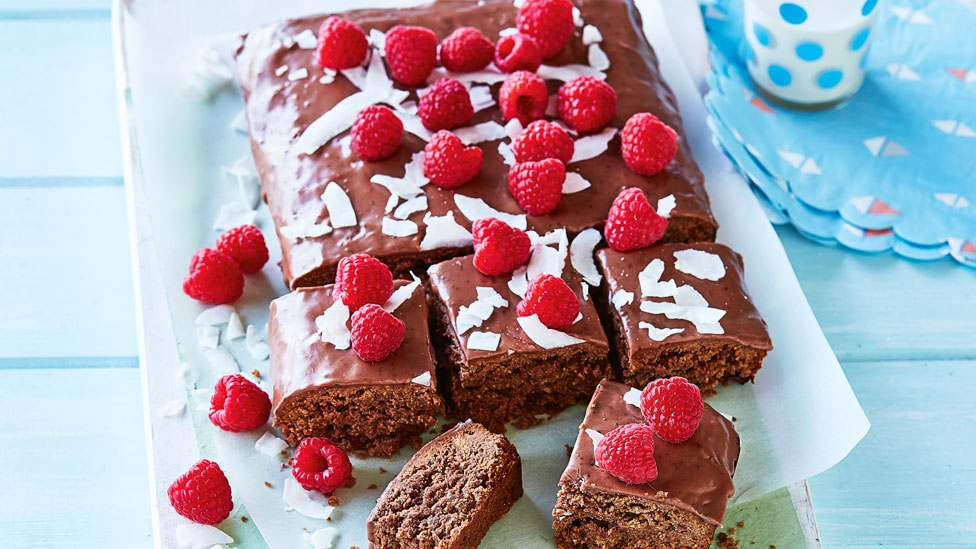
<point>808,54</point>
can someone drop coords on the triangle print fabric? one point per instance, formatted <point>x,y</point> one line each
<point>892,169</point>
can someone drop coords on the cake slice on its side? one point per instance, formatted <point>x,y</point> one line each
<point>449,493</point>
<point>681,310</point>
<point>680,509</point>
<point>324,391</point>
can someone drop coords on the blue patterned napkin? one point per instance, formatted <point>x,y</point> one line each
<point>894,168</point>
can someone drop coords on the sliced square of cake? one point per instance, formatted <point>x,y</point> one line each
<point>680,509</point>
<point>681,310</point>
<point>496,366</point>
<point>323,389</point>
<point>328,203</point>
<point>449,493</point>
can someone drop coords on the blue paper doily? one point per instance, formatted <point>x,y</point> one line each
<point>895,167</point>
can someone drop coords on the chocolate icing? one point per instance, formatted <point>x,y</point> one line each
<point>455,283</point>
<point>278,111</point>
<point>742,322</point>
<point>695,475</point>
<point>301,361</point>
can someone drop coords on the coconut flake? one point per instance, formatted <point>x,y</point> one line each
<point>488,75</point>
<point>281,70</point>
<point>622,297</point>
<point>505,150</point>
<point>545,259</point>
<point>391,203</point>
<point>234,214</point>
<point>412,205</point>
<point>508,31</point>
<point>310,504</point>
<point>239,123</point>
<point>479,133</point>
<point>581,255</point>
<point>303,229</point>
<point>270,445</point>
<point>650,281</point>
<point>481,97</point>
<point>332,325</point>
<point>686,296</point>
<point>197,536</point>
<point>235,328</point>
<point>543,336</point>
<point>574,183</point>
<point>256,346</point>
<point>377,39</point>
<point>513,128</point>
<point>591,35</point>
<point>665,206</point>
<point>399,227</point>
<point>699,264</point>
<point>705,319</point>
<point>208,336</point>
<point>207,75</point>
<point>658,334</point>
<point>172,408</point>
<point>299,74</point>
<point>585,290</point>
<point>595,436</point>
<point>188,376</point>
<point>400,295</point>
<point>598,58</point>
<point>577,17</point>
<point>413,124</point>
<point>483,341</point>
<point>565,73</point>
<point>328,76</point>
<point>306,40</point>
<point>519,282</point>
<point>323,538</point>
<point>341,212</point>
<point>479,310</point>
<point>248,183</point>
<point>591,146</point>
<point>476,208</point>
<point>412,182</point>
<point>633,397</point>
<point>422,379</point>
<point>444,231</point>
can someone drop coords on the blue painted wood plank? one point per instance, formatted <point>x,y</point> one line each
<point>60,117</point>
<point>911,481</point>
<point>882,307</point>
<point>65,274</point>
<point>53,8</point>
<point>72,452</point>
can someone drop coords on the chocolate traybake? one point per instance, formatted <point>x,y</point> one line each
<point>680,509</point>
<point>449,493</point>
<point>323,391</point>
<point>286,92</point>
<point>681,310</point>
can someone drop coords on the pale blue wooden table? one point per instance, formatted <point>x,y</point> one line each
<point>72,447</point>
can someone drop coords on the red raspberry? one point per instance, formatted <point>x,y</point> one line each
<point>362,279</point>
<point>499,248</point>
<point>375,333</point>
<point>202,494</point>
<point>245,245</point>
<point>627,453</point>
<point>586,104</point>
<point>517,52</point>
<point>632,223</point>
<point>376,133</point>
<point>411,53</point>
<point>543,140</point>
<point>552,299</point>
<point>548,22</point>
<point>320,465</point>
<point>537,186</point>
<point>448,163</point>
<point>523,95</point>
<point>673,407</point>
<point>648,145</point>
<point>214,277</point>
<point>466,50</point>
<point>238,405</point>
<point>342,44</point>
<point>445,105</point>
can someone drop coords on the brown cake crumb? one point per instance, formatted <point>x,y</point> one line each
<point>350,482</point>
<point>333,500</point>
<point>371,487</point>
<point>382,471</point>
<point>726,541</point>
<point>741,524</point>
<point>256,373</point>
<point>709,392</point>
<point>734,419</point>
<point>268,484</point>
<point>243,518</point>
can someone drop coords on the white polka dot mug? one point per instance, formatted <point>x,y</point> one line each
<point>808,54</point>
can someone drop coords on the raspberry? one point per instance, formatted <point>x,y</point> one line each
<point>466,50</point>
<point>411,53</point>
<point>202,494</point>
<point>523,95</point>
<point>548,22</point>
<point>632,223</point>
<point>517,52</point>
<point>238,405</point>
<point>245,245</point>
<point>537,186</point>
<point>320,465</point>
<point>214,277</point>
<point>543,140</point>
<point>648,145</point>
<point>627,453</point>
<point>376,133</point>
<point>498,247</point>
<point>586,104</point>
<point>445,105</point>
<point>673,407</point>
<point>375,333</point>
<point>342,44</point>
<point>362,279</point>
<point>448,163</point>
<point>552,299</point>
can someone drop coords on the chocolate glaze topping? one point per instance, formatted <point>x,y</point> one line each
<point>695,475</point>
<point>279,110</point>
<point>301,361</point>
<point>742,323</point>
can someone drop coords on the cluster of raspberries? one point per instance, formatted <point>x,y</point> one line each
<point>217,275</point>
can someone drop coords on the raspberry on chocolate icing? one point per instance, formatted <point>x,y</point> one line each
<point>448,163</point>
<point>362,279</point>
<point>548,22</point>
<point>586,103</point>
<point>341,45</point>
<point>466,50</point>
<point>375,333</point>
<point>445,105</point>
<point>632,223</point>
<point>541,140</point>
<point>524,96</point>
<point>673,407</point>
<point>552,300</point>
<point>517,52</point>
<point>627,453</point>
<point>499,248</point>
<point>648,145</point>
<point>376,133</point>
<point>537,186</point>
<point>411,53</point>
